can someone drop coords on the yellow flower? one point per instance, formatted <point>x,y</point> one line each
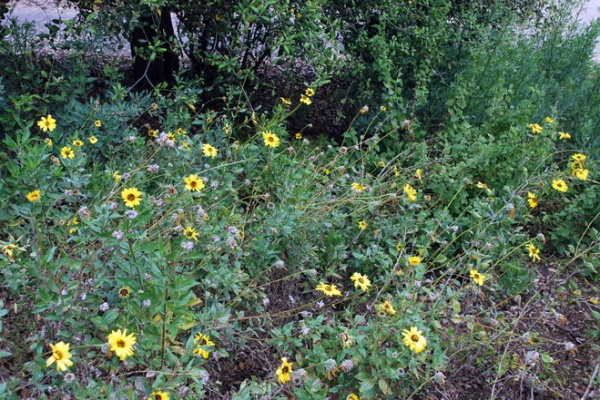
<point>48,142</point>
<point>284,371</point>
<point>352,396</point>
<point>580,173</point>
<point>47,123</point>
<point>396,171</point>
<point>535,128</point>
<point>305,99</point>
<point>362,225</point>
<point>361,281</point>
<point>534,252</point>
<point>34,196</point>
<point>73,221</point>
<point>549,120</point>
<point>7,250</point>
<point>98,123</point>
<point>560,185</point>
<point>67,152</point>
<point>152,132</point>
<point>383,108</point>
<point>124,292</point>
<point>191,233</point>
<point>346,339</point>
<point>414,260</point>
<point>285,101</point>
<point>593,300</point>
<point>399,247</point>
<point>202,341</point>
<point>477,277</point>
<point>309,92</point>
<point>298,135</point>
<point>116,176</point>
<point>132,197</point>
<point>209,150</point>
<point>159,396</point>
<point>419,174</point>
<point>387,307</point>
<point>193,183</point>
<point>357,187</point>
<point>60,355</point>
<point>77,143</point>
<point>411,193</point>
<point>121,343</point>
<point>563,135</point>
<point>414,339</point>
<point>577,292</point>
<point>381,164</point>
<point>93,140</point>
<point>484,186</point>
<point>532,200</point>
<point>579,158</point>
<point>270,139</point>
<point>329,290</point>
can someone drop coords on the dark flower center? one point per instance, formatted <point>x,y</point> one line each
<point>58,355</point>
<point>131,197</point>
<point>121,343</point>
<point>414,338</point>
<point>285,370</point>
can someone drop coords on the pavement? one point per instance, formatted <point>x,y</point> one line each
<point>44,11</point>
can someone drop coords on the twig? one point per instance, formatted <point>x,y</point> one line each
<point>587,391</point>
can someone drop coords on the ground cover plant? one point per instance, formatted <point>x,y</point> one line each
<point>161,244</point>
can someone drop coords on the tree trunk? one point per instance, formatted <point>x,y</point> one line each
<point>149,73</point>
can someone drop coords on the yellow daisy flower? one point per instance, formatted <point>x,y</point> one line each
<point>535,128</point>
<point>534,252</point>
<point>60,355</point>
<point>93,140</point>
<point>329,290</point>
<point>77,143</point>
<point>159,396</point>
<point>98,123</point>
<point>361,281</point>
<point>362,225</point>
<point>284,371</point>
<point>124,292</point>
<point>190,233</point>
<point>387,307</point>
<point>34,196</point>
<point>67,152</point>
<point>414,339</point>
<point>309,92</point>
<point>532,200</point>
<point>357,187</point>
<point>132,197</point>
<point>477,277</point>
<point>411,193</point>
<point>208,150</point>
<point>193,183</point>
<point>305,99</point>
<point>121,343</point>
<point>202,341</point>
<point>47,123</point>
<point>563,135</point>
<point>414,260</point>
<point>560,185</point>
<point>270,139</point>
